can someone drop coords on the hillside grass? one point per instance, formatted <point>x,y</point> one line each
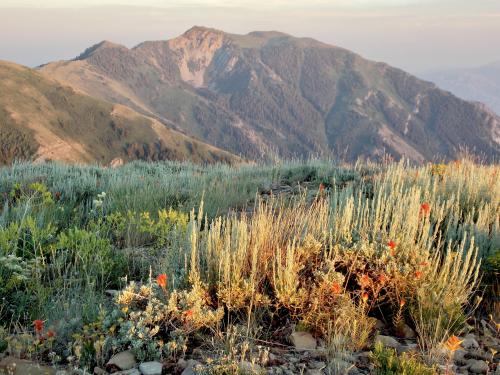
<point>202,252</point>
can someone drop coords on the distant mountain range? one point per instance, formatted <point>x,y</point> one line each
<point>41,120</point>
<point>480,84</point>
<point>268,93</point>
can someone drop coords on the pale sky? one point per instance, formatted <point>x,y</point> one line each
<point>416,35</point>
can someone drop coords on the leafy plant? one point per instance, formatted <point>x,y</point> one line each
<point>387,362</point>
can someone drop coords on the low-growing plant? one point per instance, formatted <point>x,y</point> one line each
<point>443,293</point>
<point>157,323</point>
<point>387,362</point>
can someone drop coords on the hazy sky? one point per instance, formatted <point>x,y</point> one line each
<point>416,35</point>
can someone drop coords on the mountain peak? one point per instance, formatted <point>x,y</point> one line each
<point>103,45</point>
<point>197,31</point>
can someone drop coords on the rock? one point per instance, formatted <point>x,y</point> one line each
<point>99,371</point>
<point>477,367</point>
<point>314,372</point>
<point>132,371</point>
<point>364,358</point>
<point>387,341</point>
<point>317,365</point>
<point>150,368</point>
<point>14,366</point>
<point>303,341</point>
<point>469,342</point>
<point>408,332</point>
<point>379,325</point>
<point>459,356</point>
<point>319,353</point>
<point>182,363</point>
<point>407,348</point>
<point>478,354</point>
<point>190,367</point>
<point>122,361</point>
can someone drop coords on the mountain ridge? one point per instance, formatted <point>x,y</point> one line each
<point>267,92</point>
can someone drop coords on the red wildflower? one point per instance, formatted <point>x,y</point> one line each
<point>392,246</point>
<point>161,280</point>
<point>425,208</point>
<point>418,274</point>
<point>50,333</point>
<point>38,325</point>
<point>365,281</point>
<point>321,188</point>
<point>336,289</point>
<point>382,278</point>
<point>364,297</point>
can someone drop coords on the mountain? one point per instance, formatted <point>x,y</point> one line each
<point>41,119</point>
<point>480,84</point>
<point>269,92</point>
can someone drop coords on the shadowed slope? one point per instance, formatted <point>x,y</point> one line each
<point>40,119</point>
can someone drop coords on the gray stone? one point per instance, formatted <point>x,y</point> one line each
<point>314,372</point>
<point>182,363</point>
<point>477,367</point>
<point>470,342</point>
<point>190,367</point>
<point>150,368</point>
<point>407,348</point>
<point>122,361</point>
<point>459,356</point>
<point>99,371</point>
<point>132,371</point>
<point>387,341</point>
<point>303,341</point>
<point>317,365</point>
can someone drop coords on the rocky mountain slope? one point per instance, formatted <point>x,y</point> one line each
<point>481,84</point>
<point>268,92</point>
<point>40,119</point>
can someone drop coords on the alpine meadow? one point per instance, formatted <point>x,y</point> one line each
<point>249,202</point>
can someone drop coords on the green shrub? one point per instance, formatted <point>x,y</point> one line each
<point>387,362</point>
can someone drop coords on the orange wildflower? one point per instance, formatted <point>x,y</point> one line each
<point>392,247</point>
<point>38,325</point>
<point>402,302</point>
<point>453,343</point>
<point>418,274</point>
<point>364,297</point>
<point>188,314</point>
<point>161,280</point>
<point>336,289</point>
<point>425,208</point>
<point>321,188</point>
<point>423,264</point>
<point>382,278</point>
<point>365,281</point>
<point>51,333</point>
